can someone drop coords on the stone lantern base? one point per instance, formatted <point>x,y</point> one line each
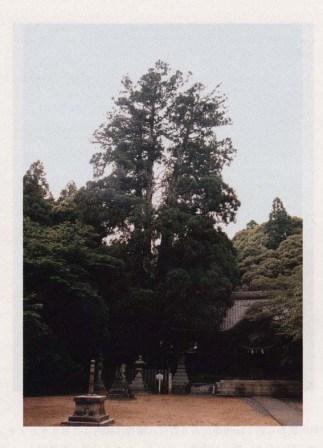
<point>137,384</point>
<point>122,392</point>
<point>180,383</point>
<point>120,389</point>
<point>89,411</point>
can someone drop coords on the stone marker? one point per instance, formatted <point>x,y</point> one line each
<point>137,384</point>
<point>120,389</point>
<point>99,387</point>
<point>89,409</point>
<point>180,383</point>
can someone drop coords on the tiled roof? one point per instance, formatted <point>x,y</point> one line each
<point>243,300</point>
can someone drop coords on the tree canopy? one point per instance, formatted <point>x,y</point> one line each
<point>165,190</point>
<point>65,314</point>
<point>137,255</point>
<point>270,258</point>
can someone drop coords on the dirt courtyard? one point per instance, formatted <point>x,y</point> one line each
<point>153,410</point>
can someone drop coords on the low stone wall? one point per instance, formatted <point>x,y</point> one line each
<point>202,389</point>
<point>272,388</point>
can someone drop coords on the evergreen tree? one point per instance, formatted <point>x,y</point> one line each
<point>165,194</point>
<point>131,143</point>
<point>279,226</point>
<point>37,199</point>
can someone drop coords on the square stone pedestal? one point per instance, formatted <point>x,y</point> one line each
<point>89,411</point>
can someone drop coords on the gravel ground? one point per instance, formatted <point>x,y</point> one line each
<point>294,403</point>
<point>153,410</point>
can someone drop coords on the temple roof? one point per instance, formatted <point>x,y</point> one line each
<point>243,300</point>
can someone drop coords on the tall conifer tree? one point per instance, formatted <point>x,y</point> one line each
<point>165,160</point>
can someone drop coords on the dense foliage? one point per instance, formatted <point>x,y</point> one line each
<point>137,255</point>
<point>65,314</point>
<point>270,258</point>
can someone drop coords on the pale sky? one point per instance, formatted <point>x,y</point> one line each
<point>68,74</point>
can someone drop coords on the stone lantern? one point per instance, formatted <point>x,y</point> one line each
<point>120,389</point>
<point>138,384</point>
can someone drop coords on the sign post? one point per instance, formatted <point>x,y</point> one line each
<point>159,378</point>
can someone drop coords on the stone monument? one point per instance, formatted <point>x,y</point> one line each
<point>180,382</point>
<point>89,408</point>
<point>137,384</point>
<point>120,389</point>
<point>99,387</point>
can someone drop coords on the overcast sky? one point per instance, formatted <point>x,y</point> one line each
<point>68,74</point>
